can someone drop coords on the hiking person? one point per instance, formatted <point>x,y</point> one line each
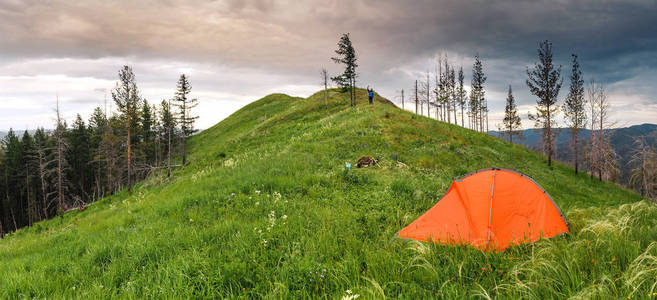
<point>370,94</point>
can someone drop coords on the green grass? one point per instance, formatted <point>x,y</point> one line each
<point>266,209</point>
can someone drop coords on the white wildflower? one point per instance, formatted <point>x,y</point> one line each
<point>350,297</point>
<point>272,220</point>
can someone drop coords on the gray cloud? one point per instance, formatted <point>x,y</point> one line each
<point>242,49</point>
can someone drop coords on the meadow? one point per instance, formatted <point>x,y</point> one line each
<point>267,209</point>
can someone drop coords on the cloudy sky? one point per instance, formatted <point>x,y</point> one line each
<point>238,51</point>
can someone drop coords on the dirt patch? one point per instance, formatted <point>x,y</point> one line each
<point>366,161</point>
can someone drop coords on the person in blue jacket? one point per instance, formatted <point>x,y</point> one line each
<point>370,94</point>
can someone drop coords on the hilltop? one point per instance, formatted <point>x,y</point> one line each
<point>267,209</point>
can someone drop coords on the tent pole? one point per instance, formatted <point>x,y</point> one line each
<point>490,210</point>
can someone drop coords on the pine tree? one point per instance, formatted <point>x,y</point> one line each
<point>574,108</point>
<point>461,95</point>
<point>186,119</point>
<point>511,118</point>
<point>28,209</point>
<point>97,126</point>
<point>79,158</point>
<point>127,99</point>
<point>108,152</point>
<point>42,159</point>
<point>346,56</point>
<point>168,123</point>
<point>147,133</point>
<point>477,94</point>
<point>13,150</point>
<point>544,81</point>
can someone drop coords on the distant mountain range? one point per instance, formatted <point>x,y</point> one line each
<point>622,140</point>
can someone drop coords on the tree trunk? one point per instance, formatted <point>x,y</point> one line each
<point>576,151</point>
<point>549,136</point>
<point>462,117</point>
<point>129,156</point>
<point>60,182</point>
<point>42,175</point>
<point>169,147</point>
<point>600,138</point>
<point>416,100</point>
<point>13,218</point>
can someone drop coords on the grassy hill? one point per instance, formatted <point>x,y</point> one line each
<point>266,209</point>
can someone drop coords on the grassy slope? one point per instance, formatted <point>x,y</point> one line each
<point>266,209</point>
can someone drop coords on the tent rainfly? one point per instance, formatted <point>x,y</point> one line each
<point>490,209</point>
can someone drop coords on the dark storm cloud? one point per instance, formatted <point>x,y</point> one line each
<point>277,33</point>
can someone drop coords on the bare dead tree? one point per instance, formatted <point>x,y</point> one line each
<point>644,174</point>
<point>425,91</point>
<point>62,164</point>
<point>44,169</point>
<point>604,157</point>
<point>417,100</point>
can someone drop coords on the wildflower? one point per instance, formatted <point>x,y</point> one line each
<point>191,220</point>
<point>348,292</point>
<point>321,275</point>
<point>284,217</point>
<point>257,203</point>
<point>257,192</point>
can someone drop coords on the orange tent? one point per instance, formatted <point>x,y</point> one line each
<point>490,209</point>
